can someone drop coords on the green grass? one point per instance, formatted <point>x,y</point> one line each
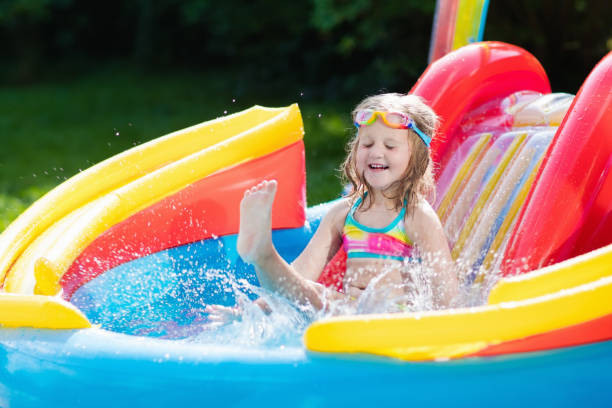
<point>52,130</point>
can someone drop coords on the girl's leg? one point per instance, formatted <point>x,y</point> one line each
<point>255,247</point>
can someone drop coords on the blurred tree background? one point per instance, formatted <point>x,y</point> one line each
<point>335,47</point>
<point>82,80</point>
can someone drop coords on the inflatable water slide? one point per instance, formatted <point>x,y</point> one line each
<point>105,277</point>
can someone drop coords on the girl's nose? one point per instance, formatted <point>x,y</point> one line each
<point>376,151</point>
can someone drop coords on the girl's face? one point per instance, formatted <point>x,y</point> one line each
<point>383,154</point>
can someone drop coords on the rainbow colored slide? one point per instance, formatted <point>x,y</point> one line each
<point>456,23</point>
<point>106,275</point>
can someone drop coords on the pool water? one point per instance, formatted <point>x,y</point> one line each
<point>165,295</point>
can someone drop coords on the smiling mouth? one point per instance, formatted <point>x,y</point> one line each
<point>378,167</point>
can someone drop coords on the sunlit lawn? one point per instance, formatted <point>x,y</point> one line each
<point>53,129</point>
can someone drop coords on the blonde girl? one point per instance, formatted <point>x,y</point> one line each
<point>385,220</point>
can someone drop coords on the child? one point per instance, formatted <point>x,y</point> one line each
<point>379,224</point>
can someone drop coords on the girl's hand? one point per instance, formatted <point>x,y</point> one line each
<point>221,315</point>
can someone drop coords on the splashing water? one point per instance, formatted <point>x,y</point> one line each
<point>171,300</point>
<point>286,323</point>
<point>253,327</point>
<point>283,327</point>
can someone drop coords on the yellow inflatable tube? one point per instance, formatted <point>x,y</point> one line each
<point>51,256</point>
<point>42,312</point>
<point>117,171</point>
<point>455,333</point>
<point>573,272</point>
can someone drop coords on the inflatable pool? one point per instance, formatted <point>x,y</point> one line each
<point>105,278</point>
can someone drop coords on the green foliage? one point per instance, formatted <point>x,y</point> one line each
<point>13,11</point>
<point>385,43</point>
<point>56,129</point>
<point>326,45</point>
<point>13,205</point>
<point>329,14</point>
<point>62,112</point>
<point>337,48</point>
<point>328,128</point>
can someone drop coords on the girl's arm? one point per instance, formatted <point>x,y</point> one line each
<point>324,244</point>
<point>296,281</point>
<point>431,240</point>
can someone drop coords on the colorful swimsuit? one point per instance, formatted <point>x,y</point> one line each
<point>390,242</point>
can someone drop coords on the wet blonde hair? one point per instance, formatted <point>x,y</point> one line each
<point>418,179</point>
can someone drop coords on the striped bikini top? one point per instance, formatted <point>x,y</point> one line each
<point>390,242</point>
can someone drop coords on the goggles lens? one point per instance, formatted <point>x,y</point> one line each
<point>395,120</point>
<point>365,117</point>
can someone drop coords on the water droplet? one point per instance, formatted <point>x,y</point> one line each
<point>320,115</point>
<point>234,100</point>
<point>116,133</point>
<point>225,112</point>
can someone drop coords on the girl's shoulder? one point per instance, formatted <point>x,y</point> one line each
<point>340,208</point>
<point>338,212</point>
<point>426,230</point>
<point>422,215</point>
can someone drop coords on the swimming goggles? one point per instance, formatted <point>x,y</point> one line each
<point>395,120</point>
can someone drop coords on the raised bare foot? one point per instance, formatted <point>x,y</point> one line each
<point>255,234</point>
